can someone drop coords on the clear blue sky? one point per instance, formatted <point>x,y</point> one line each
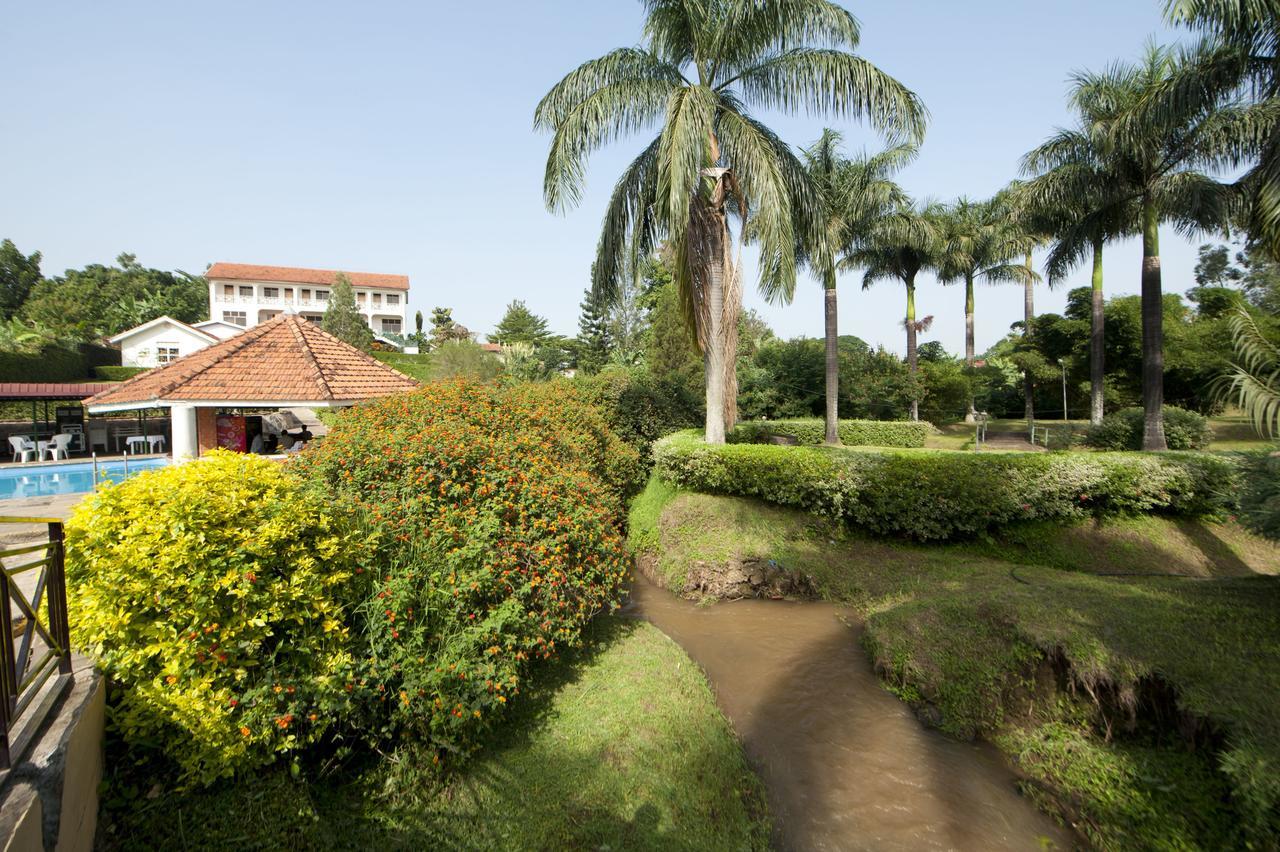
<point>396,137</point>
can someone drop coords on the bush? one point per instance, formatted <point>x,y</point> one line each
<point>640,407</point>
<point>1122,430</point>
<point>940,495</point>
<point>504,503</point>
<point>1260,492</point>
<point>854,433</point>
<point>213,595</point>
<point>117,373</point>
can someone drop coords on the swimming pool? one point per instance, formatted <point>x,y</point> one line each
<point>70,478</point>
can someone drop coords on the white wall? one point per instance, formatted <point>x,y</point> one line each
<point>142,349</point>
<point>254,303</point>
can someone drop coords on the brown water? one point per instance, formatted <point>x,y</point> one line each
<point>845,764</point>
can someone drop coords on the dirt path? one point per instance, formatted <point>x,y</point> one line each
<point>846,765</point>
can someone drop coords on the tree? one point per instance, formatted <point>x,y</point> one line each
<point>419,337</point>
<point>1252,270</point>
<point>594,341</point>
<point>444,329</point>
<point>702,68</point>
<point>19,273</point>
<point>627,323</point>
<point>520,325</point>
<point>1253,380</point>
<point>850,194</point>
<point>343,319</point>
<point>980,240</point>
<point>899,245</point>
<point>1149,145</point>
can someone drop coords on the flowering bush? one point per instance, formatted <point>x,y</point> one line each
<point>940,495</point>
<point>503,504</point>
<point>212,594</point>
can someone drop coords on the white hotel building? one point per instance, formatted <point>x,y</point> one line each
<point>245,294</point>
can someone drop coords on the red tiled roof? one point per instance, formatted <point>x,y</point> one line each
<point>297,275</point>
<point>491,347</point>
<point>10,391</point>
<point>283,359</point>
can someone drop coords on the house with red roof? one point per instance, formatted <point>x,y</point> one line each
<point>160,341</point>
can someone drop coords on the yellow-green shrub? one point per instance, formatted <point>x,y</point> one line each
<point>212,594</point>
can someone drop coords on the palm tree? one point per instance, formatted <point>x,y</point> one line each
<point>1150,156</point>
<point>981,239</point>
<point>702,67</point>
<point>851,194</point>
<point>1254,380</point>
<point>898,246</point>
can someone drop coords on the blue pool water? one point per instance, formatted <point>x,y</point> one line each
<point>69,478</point>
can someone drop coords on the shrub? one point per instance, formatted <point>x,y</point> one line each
<point>212,594</point>
<point>1260,492</point>
<point>1122,430</point>
<point>641,407</point>
<point>117,373</point>
<point>504,503</point>
<point>854,433</point>
<point>940,495</point>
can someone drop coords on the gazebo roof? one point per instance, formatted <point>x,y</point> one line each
<point>285,361</point>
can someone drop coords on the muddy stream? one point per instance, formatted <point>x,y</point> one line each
<point>845,764</point>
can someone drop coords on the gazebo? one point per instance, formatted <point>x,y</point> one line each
<point>286,362</point>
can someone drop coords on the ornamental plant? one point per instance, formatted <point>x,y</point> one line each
<point>502,506</point>
<point>1122,430</point>
<point>213,595</point>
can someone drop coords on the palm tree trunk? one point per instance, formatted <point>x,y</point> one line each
<point>972,414</point>
<point>1028,314</point>
<point>729,329</point>
<point>1097,340</point>
<point>1152,332</point>
<point>911,345</point>
<point>830,318</point>
<point>714,354</point>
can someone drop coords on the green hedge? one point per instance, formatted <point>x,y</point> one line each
<point>117,373</point>
<point>934,495</point>
<point>56,363</point>
<point>853,433</point>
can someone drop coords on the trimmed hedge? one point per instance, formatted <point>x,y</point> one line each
<point>854,433</point>
<point>935,495</point>
<point>117,373</point>
<point>56,363</point>
<point>1122,430</point>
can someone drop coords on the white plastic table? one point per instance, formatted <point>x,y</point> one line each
<point>135,442</point>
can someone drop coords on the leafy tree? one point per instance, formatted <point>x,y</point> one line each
<point>850,194</point>
<point>343,319</point>
<point>100,301</point>
<point>1253,379</point>
<point>520,325</point>
<point>594,342</point>
<point>670,350</point>
<point>1252,270</point>
<point>627,323</point>
<point>702,68</point>
<point>19,273</point>
<point>444,329</point>
<point>419,337</point>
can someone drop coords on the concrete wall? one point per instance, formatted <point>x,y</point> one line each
<point>50,795</point>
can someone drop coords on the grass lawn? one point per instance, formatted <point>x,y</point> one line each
<point>619,746</point>
<point>1140,707</point>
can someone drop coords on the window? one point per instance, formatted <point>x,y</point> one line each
<point>322,295</point>
<point>246,292</point>
<point>288,292</point>
<point>393,298</point>
<point>360,297</point>
<point>391,326</point>
<point>270,292</point>
<point>377,300</point>
<point>234,317</point>
<point>228,290</point>
<point>314,318</point>
<point>167,353</point>
<point>306,295</point>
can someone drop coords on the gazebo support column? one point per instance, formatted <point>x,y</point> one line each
<point>186,443</point>
<point>206,429</point>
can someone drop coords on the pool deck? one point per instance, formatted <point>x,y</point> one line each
<point>36,465</point>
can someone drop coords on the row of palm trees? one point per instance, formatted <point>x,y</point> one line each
<point>1145,132</point>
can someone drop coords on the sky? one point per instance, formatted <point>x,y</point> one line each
<point>397,137</point>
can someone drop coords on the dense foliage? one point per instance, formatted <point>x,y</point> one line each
<point>940,495</point>
<point>502,507</point>
<point>855,433</point>
<point>214,596</point>
<point>640,406</point>
<point>343,319</point>
<point>1260,492</point>
<point>1122,430</point>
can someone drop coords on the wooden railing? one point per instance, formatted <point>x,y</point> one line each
<point>31,650</point>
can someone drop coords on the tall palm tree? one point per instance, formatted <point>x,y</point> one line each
<point>981,240</point>
<point>703,66</point>
<point>1151,156</point>
<point>898,246</point>
<point>851,194</point>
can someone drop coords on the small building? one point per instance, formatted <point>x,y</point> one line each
<point>160,341</point>
<point>218,328</point>
<point>245,295</point>
<point>285,362</point>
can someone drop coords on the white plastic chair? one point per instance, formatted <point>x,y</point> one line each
<point>57,445</point>
<point>23,447</point>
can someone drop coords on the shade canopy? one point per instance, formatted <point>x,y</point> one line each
<point>282,363</point>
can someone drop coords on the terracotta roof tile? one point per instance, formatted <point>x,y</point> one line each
<point>298,275</point>
<point>285,358</point>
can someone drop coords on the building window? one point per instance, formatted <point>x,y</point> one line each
<point>391,326</point>
<point>166,353</point>
<point>393,298</point>
<point>377,300</point>
<point>360,298</point>
<point>234,317</point>
<point>228,290</point>
<point>246,292</point>
<point>270,292</point>
<point>314,318</point>
<point>322,295</point>
<point>288,292</point>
